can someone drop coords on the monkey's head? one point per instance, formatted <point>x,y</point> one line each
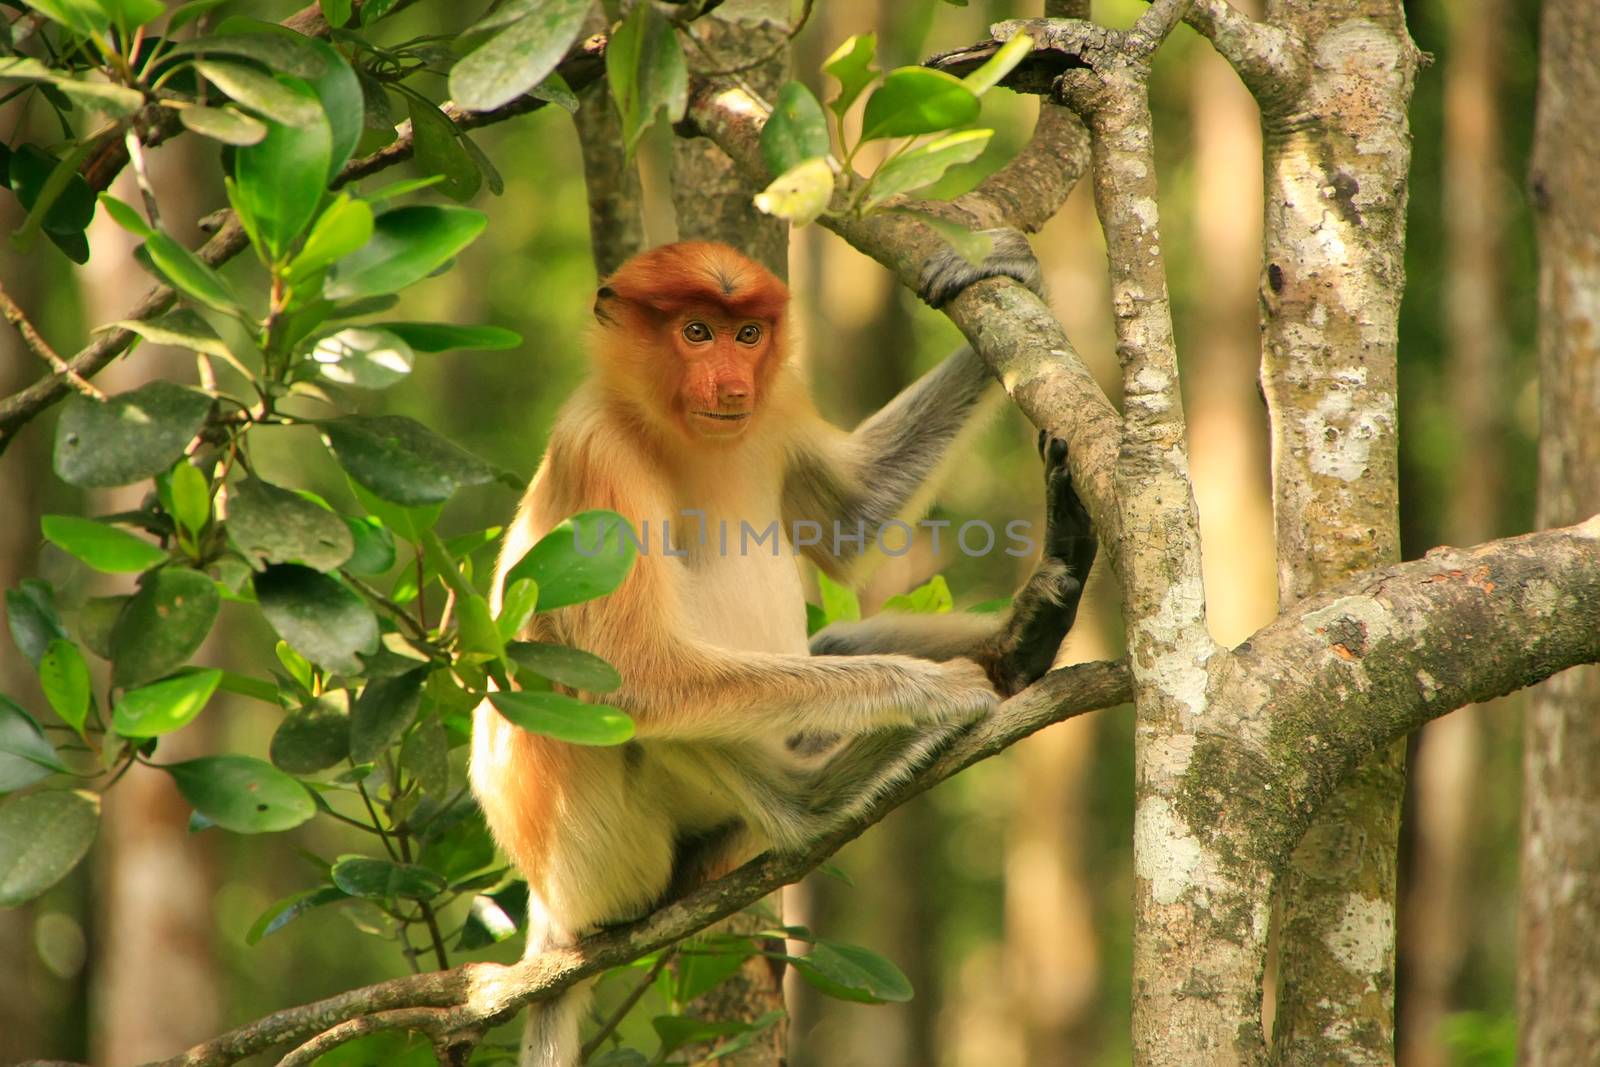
<point>692,334</point>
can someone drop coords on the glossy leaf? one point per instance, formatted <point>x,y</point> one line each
<point>285,911</point>
<point>363,357</point>
<point>343,103</point>
<point>646,71</point>
<point>401,460</point>
<point>917,100</point>
<point>373,552</point>
<point>56,197</point>
<point>242,794</point>
<point>564,718</point>
<point>42,837</point>
<point>317,615</point>
<point>289,53</point>
<point>796,131</point>
<point>273,525</point>
<point>425,756</point>
<point>126,216</point>
<point>408,244</point>
<point>31,617</point>
<point>96,617</point>
<point>487,924</point>
<point>263,93</point>
<point>26,756</point>
<point>517,605</point>
<point>439,150</point>
<point>850,972</point>
<point>164,706</point>
<point>839,601</point>
<point>114,100</point>
<point>851,64</point>
<point>130,437</point>
<point>189,274</point>
<point>191,497</point>
<point>520,56</point>
<point>224,124</point>
<point>64,677</point>
<point>278,183</point>
<point>82,17</point>
<point>927,163</point>
<point>375,879</point>
<point>567,666</point>
<point>183,329</point>
<point>799,195</point>
<point>584,557</point>
<point>382,712</point>
<point>162,626</point>
<point>447,337</point>
<point>105,548</point>
<point>931,598</point>
<point>344,226</point>
<point>314,737</point>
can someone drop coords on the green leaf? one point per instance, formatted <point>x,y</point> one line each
<point>838,601</point>
<point>337,12</point>
<point>223,124</point>
<point>646,71</point>
<point>851,63</point>
<point>164,706</point>
<point>584,557</point>
<point>382,712</point>
<point>1000,64</point>
<point>487,924</point>
<point>242,794</point>
<point>191,498</point>
<point>343,103</point>
<point>851,972</point>
<point>290,53</point>
<point>680,1031</point>
<point>364,357</point>
<point>517,606</point>
<point>519,57</point>
<point>480,638</point>
<point>564,718</point>
<point>126,216</point>
<point>799,195</point>
<point>796,131</point>
<point>96,618</point>
<point>245,686</point>
<point>162,626</point>
<point>64,677</point>
<point>129,437</point>
<point>409,523</point>
<point>374,879</point>
<point>556,90</point>
<point>184,14</point>
<point>926,164</point>
<point>916,100</point>
<point>82,17</point>
<point>446,337</point>
<point>26,756</point>
<point>42,837</point>
<point>272,525</point>
<point>373,551</point>
<point>568,666</point>
<point>278,183</point>
<point>285,911</point>
<point>32,619</point>
<point>189,274</point>
<point>408,244</point>
<point>314,737</point>
<point>425,756</point>
<point>344,226</point>
<point>932,598</point>
<point>115,100</point>
<point>318,616</point>
<point>401,460</point>
<point>298,666</point>
<point>439,150</point>
<point>263,93</point>
<point>183,329</point>
<point>105,548</point>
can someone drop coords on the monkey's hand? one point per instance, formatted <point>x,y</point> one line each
<point>1044,610</point>
<point>962,693</point>
<point>949,272</point>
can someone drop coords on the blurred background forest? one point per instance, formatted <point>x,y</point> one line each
<point>1005,895</point>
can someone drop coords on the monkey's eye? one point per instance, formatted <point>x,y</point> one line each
<point>749,334</point>
<point>697,333</point>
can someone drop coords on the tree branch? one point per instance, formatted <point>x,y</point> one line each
<point>476,995</point>
<point>582,66</point>
<point>41,348</point>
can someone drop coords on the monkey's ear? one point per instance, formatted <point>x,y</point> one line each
<point>601,298</point>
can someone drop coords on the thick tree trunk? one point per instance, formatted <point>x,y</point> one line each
<point>1337,158</point>
<point>1559,988</point>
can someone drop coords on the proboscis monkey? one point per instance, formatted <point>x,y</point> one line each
<point>749,737</point>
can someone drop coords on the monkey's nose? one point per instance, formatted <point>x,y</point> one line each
<point>734,393</point>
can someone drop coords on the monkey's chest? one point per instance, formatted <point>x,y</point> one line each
<point>746,597</point>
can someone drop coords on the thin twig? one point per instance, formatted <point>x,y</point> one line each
<point>423,1020</point>
<point>607,1028</point>
<point>141,176</point>
<point>41,348</point>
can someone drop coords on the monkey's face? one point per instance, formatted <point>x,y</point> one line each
<point>721,362</point>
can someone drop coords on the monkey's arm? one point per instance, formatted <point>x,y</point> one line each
<point>1015,647</point>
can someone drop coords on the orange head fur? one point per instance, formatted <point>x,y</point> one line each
<point>692,336</point>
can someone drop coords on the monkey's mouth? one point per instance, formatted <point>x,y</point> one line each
<point>724,416</point>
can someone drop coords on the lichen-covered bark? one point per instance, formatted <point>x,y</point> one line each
<point>1559,970</point>
<point>1337,156</point>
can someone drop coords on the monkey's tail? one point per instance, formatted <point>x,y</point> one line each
<point>550,1036</point>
